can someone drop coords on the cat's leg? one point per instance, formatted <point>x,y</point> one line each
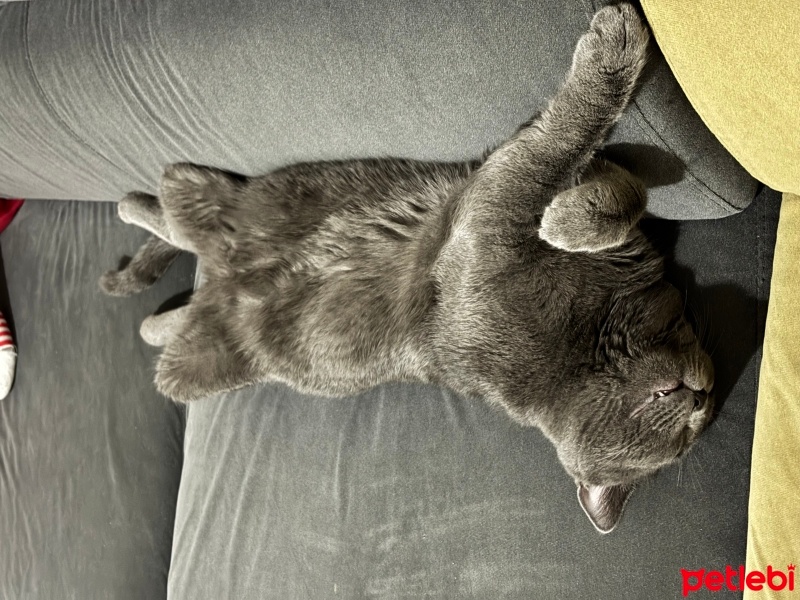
<point>598,213</point>
<point>193,198</point>
<point>146,211</point>
<point>157,330</point>
<point>149,263</point>
<point>519,179</point>
<point>199,358</point>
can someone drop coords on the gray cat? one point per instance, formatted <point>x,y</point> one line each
<point>521,278</point>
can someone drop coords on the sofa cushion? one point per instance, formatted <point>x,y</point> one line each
<point>250,86</point>
<point>774,527</point>
<point>411,491</point>
<point>90,454</point>
<point>738,64</point>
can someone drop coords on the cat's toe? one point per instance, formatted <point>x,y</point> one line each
<point>112,284</point>
<point>557,230</point>
<point>134,204</point>
<point>125,210</point>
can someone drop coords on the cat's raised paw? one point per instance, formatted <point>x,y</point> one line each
<point>615,45</point>
<point>134,207</point>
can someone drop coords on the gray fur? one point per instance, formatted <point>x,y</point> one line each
<point>498,278</point>
<point>156,330</point>
<point>144,269</point>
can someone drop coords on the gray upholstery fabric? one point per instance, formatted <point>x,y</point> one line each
<point>409,491</point>
<point>404,491</point>
<point>90,454</point>
<point>97,96</point>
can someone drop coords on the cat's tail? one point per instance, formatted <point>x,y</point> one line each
<point>148,265</point>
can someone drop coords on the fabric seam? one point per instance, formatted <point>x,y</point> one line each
<point>700,185</point>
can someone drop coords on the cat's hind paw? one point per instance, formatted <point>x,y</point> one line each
<point>123,282</point>
<point>138,208</point>
<point>135,275</point>
<point>157,330</point>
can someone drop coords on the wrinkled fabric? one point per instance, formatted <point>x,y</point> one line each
<point>412,492</point>
<point>90,454</point>
<point>98,96</point>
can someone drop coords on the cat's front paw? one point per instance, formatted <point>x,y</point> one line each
<point>615,45</point>
<point>592,217</point>
<point>576,229</point>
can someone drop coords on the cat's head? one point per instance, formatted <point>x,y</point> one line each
<point>639,405</point>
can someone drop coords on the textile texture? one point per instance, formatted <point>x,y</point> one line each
<point>738,64</point>
<point>773,536</point>
<point>90,454</point>
<point>98,96</point>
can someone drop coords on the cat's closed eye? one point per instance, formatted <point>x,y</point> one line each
<point>667,391</point>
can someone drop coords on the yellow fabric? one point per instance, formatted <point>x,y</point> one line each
<point>738,62</point>
<point>773,534</point>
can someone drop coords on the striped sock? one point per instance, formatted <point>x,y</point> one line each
<point>8,358</point>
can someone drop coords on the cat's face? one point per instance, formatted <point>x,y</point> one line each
<point>641,405</point>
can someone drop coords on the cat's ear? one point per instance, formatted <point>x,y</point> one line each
<point>604,504</point>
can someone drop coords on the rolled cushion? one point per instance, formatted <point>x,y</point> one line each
<point>738,63</point>
<point>98,96</point>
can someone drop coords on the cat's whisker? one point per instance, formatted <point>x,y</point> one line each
<point>709,322</point>
<point>714,349</point>
<point>694,317</point>
<point>697,479</point>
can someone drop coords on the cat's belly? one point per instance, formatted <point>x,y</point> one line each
<point>336,338</point>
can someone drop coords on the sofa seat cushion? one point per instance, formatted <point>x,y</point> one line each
<point>411,491</point>
<point>90,454</point>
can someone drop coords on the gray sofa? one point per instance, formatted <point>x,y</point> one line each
<point>107,490</point>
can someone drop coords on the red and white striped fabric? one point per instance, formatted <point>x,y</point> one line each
<point>5,333</point>
<point>8,358</point>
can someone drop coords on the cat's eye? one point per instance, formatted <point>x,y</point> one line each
<point>666,392</point>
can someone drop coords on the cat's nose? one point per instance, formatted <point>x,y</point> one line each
<point>701,380</point>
